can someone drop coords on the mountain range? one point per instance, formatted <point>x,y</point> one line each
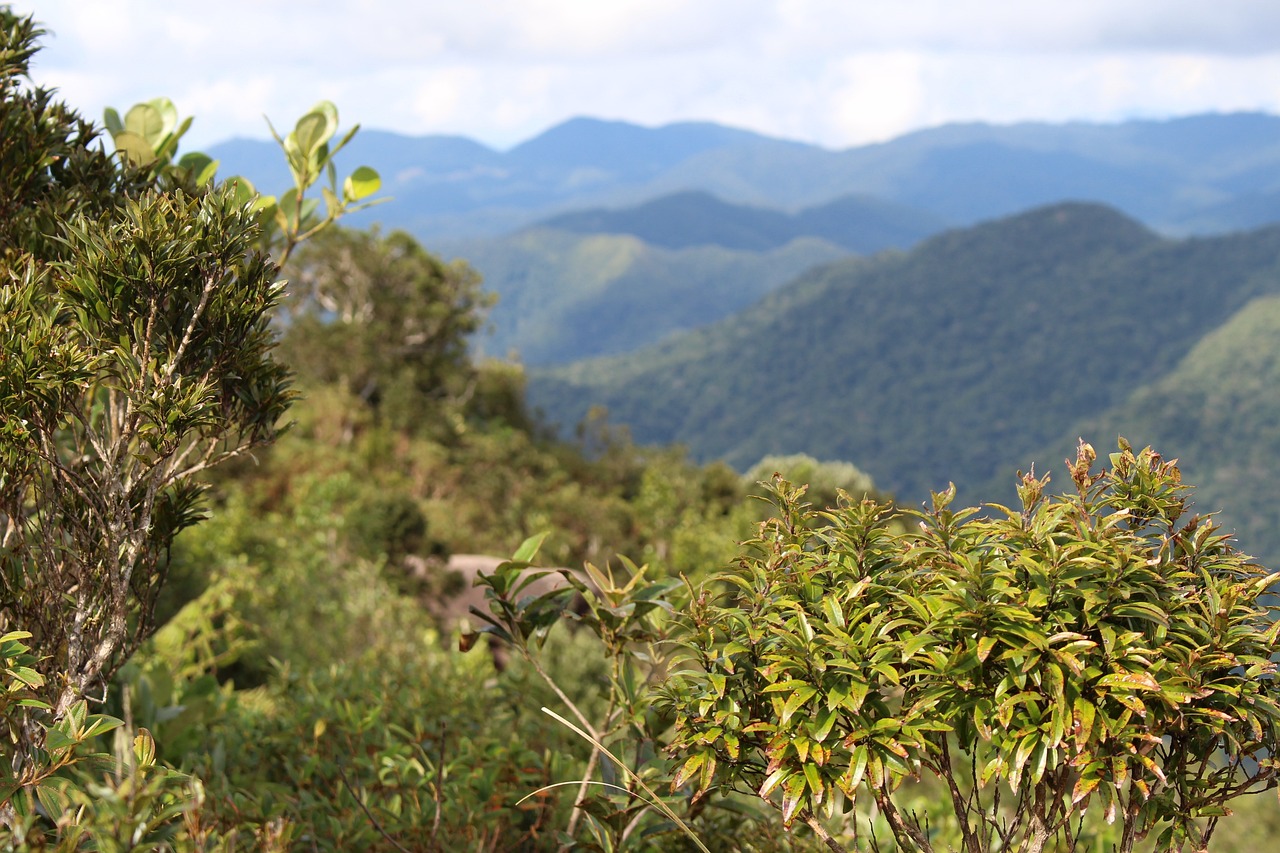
<point>1201,174</point>
<point>952,305</point>
<point>567,296</point>
<point>980,352</point>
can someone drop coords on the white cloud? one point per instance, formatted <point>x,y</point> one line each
<point>837,72</point>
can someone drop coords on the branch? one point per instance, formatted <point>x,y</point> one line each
<point>821,831</point>
<point>373,820</point>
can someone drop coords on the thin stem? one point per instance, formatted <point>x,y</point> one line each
<point>821,831</point>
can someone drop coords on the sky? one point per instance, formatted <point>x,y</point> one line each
<point>837,73</point>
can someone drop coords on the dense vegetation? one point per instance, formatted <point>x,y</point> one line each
<point>221,634</point>
<point>959,361</point>
<point>567,297</point>
<point>1215,409</point>
<point>681,220</point>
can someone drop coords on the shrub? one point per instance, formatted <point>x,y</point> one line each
<point>1093,652</point>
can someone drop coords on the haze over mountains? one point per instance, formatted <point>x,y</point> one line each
<point>948,306</point>
<point>1202,174</point>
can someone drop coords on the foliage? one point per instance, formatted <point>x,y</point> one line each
<point>1216,411</point>
<point>137,354</point>
<point>291,218</point>
<point>388,321</point>
<point>51,169</point>
<point>567,296</point>
<point>136,362</point>
<point>137,805</point>
<point>148,136</point>
<point>954,362</point>
<point>628,617</point>
<point>824,481</point>
<point>1096,650</point>
<point>33,776</point>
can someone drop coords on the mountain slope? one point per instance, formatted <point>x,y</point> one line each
<point>954,362</point>
<point>1202,173</point>
<point>1219,413</point>
<point>566,296</point>
<point>695,218</point>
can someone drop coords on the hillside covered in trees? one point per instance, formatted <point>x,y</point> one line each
<point>271,527</point>
<point>962,360</point>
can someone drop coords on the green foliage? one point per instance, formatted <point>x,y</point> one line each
<point>566,296</point>
<point>1097,650</point>
<point>628,616</point>
<point>1215,409</point>
<point>139,805</point>
<point>133,363</point>
<point>955,362</point>
<point>388,321</point>
<point>292,218</point>
<point>50,168</point>
<point>823,480</point>
<point>391,526</point>
<point>136,354</point>
<point>147,137</point>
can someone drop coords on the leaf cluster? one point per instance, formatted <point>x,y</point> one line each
<point>1095,650</point>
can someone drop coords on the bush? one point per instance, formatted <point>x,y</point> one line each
<point>1092,652</point>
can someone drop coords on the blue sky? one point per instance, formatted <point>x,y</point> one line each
<point>833,72</point>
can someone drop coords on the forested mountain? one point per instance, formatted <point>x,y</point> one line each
<point>1207,173</point>
<point>694,218</point>
<point>959,361</point>
<point>566,296</point>
<point>1217,411</point>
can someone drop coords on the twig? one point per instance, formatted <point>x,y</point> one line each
<point>373,820</point>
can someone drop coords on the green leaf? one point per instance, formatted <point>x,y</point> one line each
<point>135,148</point>
<point>56,739</point>
<point>814,779</point>
<point>857,769</point>
<point>529,548</point>
<point>690,769</point>
<point>826,720</point>
<point>309,133</point>
<point>1083,787</point>
<point>796,701</point>
<point>792,798</point>
<point>771,781</point>
<point>99,723</point>
<point>361,184</point>
<point>52,800</point>
<point>144,748</point>
<point>146,122</point>
<point>833,611</point>
<point>1131,680</point>
<point>202,166</point>
<point>111,119</point>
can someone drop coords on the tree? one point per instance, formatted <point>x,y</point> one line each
<point>136,354</point>
<point>387,320</point>
<point>1092,651</point>
<point>148,135</point>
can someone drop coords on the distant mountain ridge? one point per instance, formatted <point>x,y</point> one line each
<point>959,361</point>
<point>566,296</point>
<point>696,218</point>
<point>1203,174</point>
